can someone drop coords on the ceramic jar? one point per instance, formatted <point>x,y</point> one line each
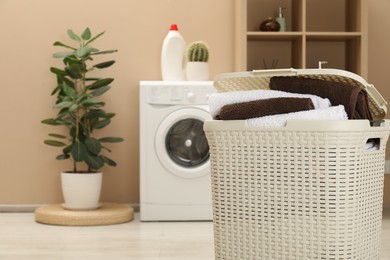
<point>270,25</point>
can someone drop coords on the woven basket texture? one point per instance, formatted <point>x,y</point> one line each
<point>296,194</point>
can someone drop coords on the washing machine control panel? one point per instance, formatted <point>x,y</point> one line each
<point>180,93</point>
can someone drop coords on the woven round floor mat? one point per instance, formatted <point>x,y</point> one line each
<point>106,214</point>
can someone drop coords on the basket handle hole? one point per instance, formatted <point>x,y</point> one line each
<point>373,144</point>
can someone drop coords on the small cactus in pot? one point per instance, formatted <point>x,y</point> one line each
<point>197,65</point>
<point>198,51</point>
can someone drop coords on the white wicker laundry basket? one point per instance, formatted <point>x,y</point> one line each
<point>309,190</point>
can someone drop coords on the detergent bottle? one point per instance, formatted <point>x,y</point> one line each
<point>172,55</point>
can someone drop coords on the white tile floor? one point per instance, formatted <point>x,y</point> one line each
<point>22,238</point>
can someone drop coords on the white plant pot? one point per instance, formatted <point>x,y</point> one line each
<point>197,71</point>
<point>81,191</point>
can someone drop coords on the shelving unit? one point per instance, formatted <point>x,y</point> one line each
<point>323,30</point>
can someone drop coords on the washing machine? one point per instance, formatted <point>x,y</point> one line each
<point>175,183</point>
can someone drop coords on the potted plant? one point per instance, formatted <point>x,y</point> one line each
<point>81,112</point>
<point>197,61</point>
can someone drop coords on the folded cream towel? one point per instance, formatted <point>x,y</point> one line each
<point>218,100</point>
<point>330,113</point>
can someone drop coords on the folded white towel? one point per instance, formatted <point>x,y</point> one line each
<point>372,146</point>
<point>218,100</point>
<point>330,113</point>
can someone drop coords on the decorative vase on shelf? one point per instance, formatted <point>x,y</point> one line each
<point>197,68</point>
<point>270,25</point>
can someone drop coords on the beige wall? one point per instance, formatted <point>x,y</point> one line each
<point>378,59</point>
<point>29,174</point>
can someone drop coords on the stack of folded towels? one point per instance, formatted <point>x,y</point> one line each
<point>290,98</point>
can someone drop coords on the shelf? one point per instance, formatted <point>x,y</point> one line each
<point>271,36</point>
<point>333,15</point>
<point>274,54</point>
<point>331,30</point>
<point>283,36</point>
<point>332,36</point>
<point>261,10</point>
<point>340,54</point>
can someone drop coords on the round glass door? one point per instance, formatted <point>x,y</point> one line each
<point>186,143</point>
<point>181,144</point>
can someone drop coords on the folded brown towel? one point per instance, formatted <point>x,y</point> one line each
<point>353,98</point>
<point>264,107</point>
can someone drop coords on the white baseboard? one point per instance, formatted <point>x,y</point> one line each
<point>18,207</point>
<point>32,207</point>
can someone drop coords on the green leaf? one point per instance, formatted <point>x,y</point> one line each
<point>95,162</point>
<point>78,66</point>
<point>98,113</point>
<point>54,143</point>
<point>86,34</point>
<point>108,161</point>
<point>72,73</point>
<point>55,90</point>
<point>63,112</point>
<point>93,49</point>
<point>72,60</point>
<point>92,102</point>
<point>62,97</point>
<point>81,98</point>
<point>100,91</point>
<point>66,122</point>
<point>63,54</point>
<point>94,38</point>
<point>109,115</point>
<point>72,132</point>
<point>73,107</point>
<point>58,71</point>
<point>94,105</point>
<point>91,79</point>
<point>79,151</point>
<point>104,52</point>
<point>57,136</point>
<point>73,36</point>
<point>93,145</point>
<point>67,149</point>
<point>69,82</point>
<point>100,83</point>
<point>101,124</point>
<point>95,114</point>
<point>63,157</point>
<point>83,52</point>
<point>111,140</point>
<point>63,45</point>
<point>104,64</point>
<point>78,136</point>
<point>63,104</point>
<point>70,92</point>
<point>50,121</point>
<point>108,150</point>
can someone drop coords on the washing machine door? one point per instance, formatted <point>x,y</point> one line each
<point>181,144</point>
